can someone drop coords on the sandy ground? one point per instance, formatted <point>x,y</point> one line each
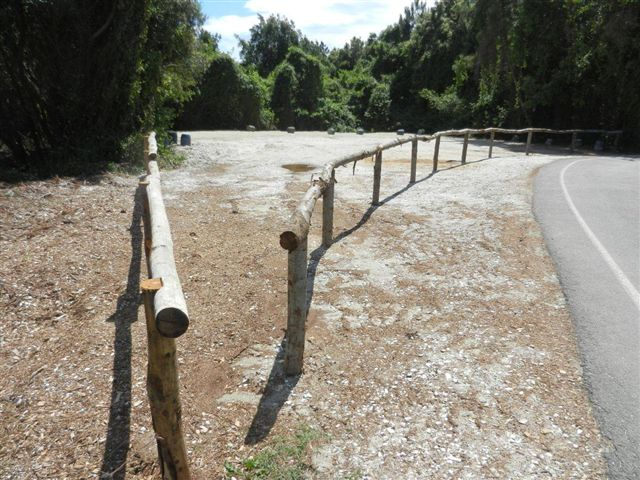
<point>439,341</point>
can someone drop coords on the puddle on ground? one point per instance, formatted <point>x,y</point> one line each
<point>298,167</point>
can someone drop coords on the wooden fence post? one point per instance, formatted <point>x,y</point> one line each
<point>436,152</point>
<point>528,147</point>
<point>574,136</point>
<point>297,309</point>
<point>327,212</point>
<point>464,148</point>
<point>493,136</point>
<point>377,173</point>
<point>163,391</point>
<point>414,159</point>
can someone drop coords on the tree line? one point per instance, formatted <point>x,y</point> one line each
<point>461,63</point>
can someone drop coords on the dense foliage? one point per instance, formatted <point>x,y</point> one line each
<point>516,63</point>
<point>77,79</point>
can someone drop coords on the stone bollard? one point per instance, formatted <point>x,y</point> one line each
<point>251,128</point>
<point>421,131</point>
<point>291,129</point>
<point>360,131</point>
<point>331,131</point>
<point>400,131</point>
<point>173,136</point>
<point>185,140</point>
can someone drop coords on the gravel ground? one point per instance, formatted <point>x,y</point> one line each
<point>439,341</point>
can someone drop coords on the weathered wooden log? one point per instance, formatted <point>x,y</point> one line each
<point>297,309</point>
<point>465,145</point>
<point>436,153</point>
<point>377,175</point>
<point>493,136</point>
<point>164,392</point>
<point>414,160</point>
<point>301,218</point>
<point>152,146</point>
<point>371,152</point>
<point>529,139</point>
<point>172,318</point>
<point>327,212</point>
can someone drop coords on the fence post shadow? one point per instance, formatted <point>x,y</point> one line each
<point>276,392</point>
<point>116,446</point>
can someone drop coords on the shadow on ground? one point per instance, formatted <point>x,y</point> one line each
<point>276,393</point>
<point>279,386</point>
<point>118,433</point>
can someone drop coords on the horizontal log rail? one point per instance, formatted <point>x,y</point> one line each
<point>169,305</point>
<point>294,240</point>
<point>166,318</point>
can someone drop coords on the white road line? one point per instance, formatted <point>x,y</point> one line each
<point>622,278</point>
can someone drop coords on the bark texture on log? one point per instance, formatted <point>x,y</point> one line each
<point>170,307</point>
<point>163,391</point>
<point>377,174</point>
<point>414,160</point>
<point>152,146</point>
<point>297,309</point>
<point>327,212</point>
<point>493,136</point>
<point>301,218</point>
<point>465,145</point>
<point>436,153</point>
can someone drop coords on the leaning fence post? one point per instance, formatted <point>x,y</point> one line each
<point>574,136</point>
<point>377,171</point>
<point>163,391</point>
<point>436,152</point>
<point>464,148</point>
<point>493,136</point>
<point>529,138</point>
<point>414,159</point>
<point>327,212</point>
<point>297,309</point>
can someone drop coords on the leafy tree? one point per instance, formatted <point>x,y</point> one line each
<point>78,78</point>
<point>228,98</point>
<point>268,43</point>
<point>282,102</point>
<point>378,113</point>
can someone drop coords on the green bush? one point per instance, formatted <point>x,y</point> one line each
<point>228,98</point>
<point>79,78</point>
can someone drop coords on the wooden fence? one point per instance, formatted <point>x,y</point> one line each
<point>167,318</point>
<point>294,240</point>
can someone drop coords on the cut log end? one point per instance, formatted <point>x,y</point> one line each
<point>172,322</point>
<point>288,240</point>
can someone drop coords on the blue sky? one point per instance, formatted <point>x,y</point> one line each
<point>332,21</point>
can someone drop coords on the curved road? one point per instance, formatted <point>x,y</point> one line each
<point>589,210</point>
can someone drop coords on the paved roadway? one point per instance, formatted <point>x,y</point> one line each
<point>589,210</point>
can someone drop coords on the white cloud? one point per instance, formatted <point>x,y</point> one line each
<point>334,22</point>
<point>228,26</point>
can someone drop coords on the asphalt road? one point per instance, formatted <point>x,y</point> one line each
<point>589,210</point>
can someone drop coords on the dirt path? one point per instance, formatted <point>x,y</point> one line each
<point>439,341</point>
